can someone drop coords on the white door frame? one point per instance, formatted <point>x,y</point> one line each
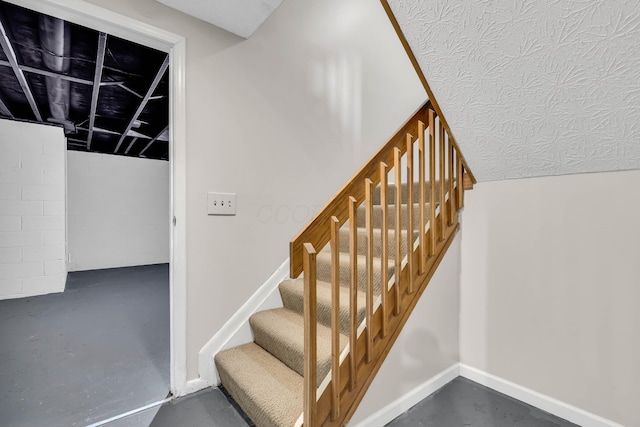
<point>104,20</point>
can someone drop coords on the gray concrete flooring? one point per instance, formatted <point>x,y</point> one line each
<point>460,403</point>
<point>209,408</point>
<point>465,403</point>
<point>97,350</point>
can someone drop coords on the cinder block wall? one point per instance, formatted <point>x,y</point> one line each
<point>32,210</point>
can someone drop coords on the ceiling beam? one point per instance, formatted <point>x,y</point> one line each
<point>144,101</point>
<point>48,73</point>
<point>153,140</point>
<point>13,61</point>
<point>4,110</point>
<point>133,141</point>
<point>102,47</point>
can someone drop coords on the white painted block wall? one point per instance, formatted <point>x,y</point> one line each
<point>118,211</point>
<point>32,209</point>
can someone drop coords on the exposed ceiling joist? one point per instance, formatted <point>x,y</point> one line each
<point>102,47</point>
<point>133,141</point>
<point>144,101</point>
<point>47,73</point>
<point>99,87</point>
<point>4,110</point>
<point>154,140</point>
<point>11,56</point>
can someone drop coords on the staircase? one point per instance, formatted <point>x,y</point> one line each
<point>380,240</point>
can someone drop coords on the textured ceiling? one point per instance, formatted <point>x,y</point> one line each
<point>533,88</point>
<point>241,17</point>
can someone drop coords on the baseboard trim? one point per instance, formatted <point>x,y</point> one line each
<point>237,331</point>
<point>194,386</point>
<point>533,398</point>
<point>410,399</point>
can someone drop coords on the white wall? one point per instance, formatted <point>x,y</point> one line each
<point>118,211</point>
<point>428,343</point>
<point>551,287</point>
<point>282,119</point>
<point>32,209</point>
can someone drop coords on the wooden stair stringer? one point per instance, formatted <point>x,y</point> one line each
<point>350,399</point>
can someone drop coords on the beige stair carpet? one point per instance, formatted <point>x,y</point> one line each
<point>265,377</point>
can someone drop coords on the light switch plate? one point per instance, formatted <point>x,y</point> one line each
<point>221,203</point>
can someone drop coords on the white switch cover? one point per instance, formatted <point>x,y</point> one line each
<point>221,203</point>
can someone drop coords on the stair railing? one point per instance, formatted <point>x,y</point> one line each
<point>446,175</point>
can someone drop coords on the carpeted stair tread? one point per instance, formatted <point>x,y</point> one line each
<point>268,391</point>
<point>377,242</point>
<point>391,215</point>
<point>323,259</point>
<point>391,191</point>
<point>280,331</point>
<point>292,293</point>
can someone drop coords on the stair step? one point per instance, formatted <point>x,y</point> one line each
<point>391,192</point>
<point>391,215</point>
<point>377,242</point>
<point>323,259</point>
<point>268,391</point>
<point>292,293</point>
<point>280,331</point>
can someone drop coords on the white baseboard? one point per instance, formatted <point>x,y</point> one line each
<point>194,386</point>
<point>533,398</point>
<point>237,331</point>
<point>410,399</point>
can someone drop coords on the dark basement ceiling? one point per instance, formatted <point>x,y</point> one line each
<point>110,95</point>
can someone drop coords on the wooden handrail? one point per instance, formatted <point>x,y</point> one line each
<point>448,176</point>
<point>316,231</point>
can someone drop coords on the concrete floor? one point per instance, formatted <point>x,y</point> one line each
<point>460,403</point>
<point>463,402</point>
<point>97,350</point>
<point>101,349</point>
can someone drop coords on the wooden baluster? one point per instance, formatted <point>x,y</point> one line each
<point>459,183</point>
<point>443,206</point>
<point>369,230</point>
<point>397,157</point>
<point>384,242</point>
<point>422,198</point>
<point>310,336</point>
<point>452,197</point>
<point>410,210</point>
<point>335,318</point>
<point>353,291</point>
<point>432,183</point>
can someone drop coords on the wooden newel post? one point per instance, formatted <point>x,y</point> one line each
<point>310,336</point>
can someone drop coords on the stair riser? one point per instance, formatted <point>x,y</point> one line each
<point>281,333</point>
<point>391,216</point>
<point>295,301</point>
<point>391,192</point>
<point>377,242</point>
<point>324,271</point>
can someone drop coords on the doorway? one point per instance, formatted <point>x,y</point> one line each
<point>97,18</point>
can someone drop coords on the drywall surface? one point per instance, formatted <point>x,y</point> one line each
<point>283,120</point>
<point>118,211</point>
<point>241,17</point>
<point>32,209</point>
<point>533,88</point>
<point>550,288</point>
<point>428,343</point>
